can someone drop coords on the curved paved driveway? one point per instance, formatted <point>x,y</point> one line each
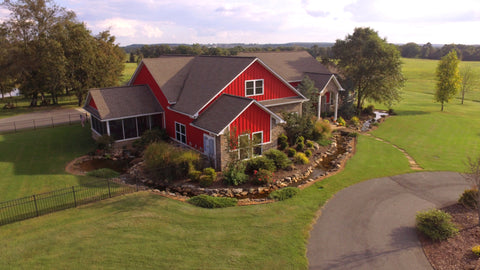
<point>371,225</point>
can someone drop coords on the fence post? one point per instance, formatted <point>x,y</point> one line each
<point>36,207</point>
<point>14,127</point>
<point>108,184</point>
<point>74,197</point>
<point>53,125</point>
<point>136,184</point>
<point>34,126</point>
<point>69,120</point>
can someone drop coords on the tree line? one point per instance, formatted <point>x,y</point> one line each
<point>45,50</point>
<point>428,51</point>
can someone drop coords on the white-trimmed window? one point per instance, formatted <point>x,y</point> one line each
<point>244,146</point>
<point>180,133</point>
<point>254,87</point>
<point>257,141</point>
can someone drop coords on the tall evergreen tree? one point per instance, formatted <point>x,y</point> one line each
<point>448,78</point>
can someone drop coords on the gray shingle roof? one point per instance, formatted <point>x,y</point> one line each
<point>224,111</point>
<point>121,102</point>
<point>292,66</point>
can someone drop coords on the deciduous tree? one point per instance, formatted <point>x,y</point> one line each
<point>469,80</point>
<point>372,65</point>
<point>448,78</point>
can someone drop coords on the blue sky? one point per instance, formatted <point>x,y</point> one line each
<point>282,21</point>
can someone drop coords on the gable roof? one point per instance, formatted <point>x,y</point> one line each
<point>224,110</point>
<point>322,80</point>
<point>290,65</point>
<point>121,102</point>
<point>206,78</point>
<point>169,72</point>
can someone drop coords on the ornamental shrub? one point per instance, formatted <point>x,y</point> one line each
<point>104,142</point>
<point>206,201</point>
<point>151,136</point>
<point>262,177</point>
<point>341,122</point>
<point>309,144</point>
<point>369,110</point>
<point>321,129</point>
<point>284,193</point>
<point>308,153</point>
<point>278,157</point>
<point>291,152</point>
<point>300,142</point>
<point>258,163</point>
<point>436,224</point>
<point>194,175</point>
<point>282,142</point>
<point>104,173</point>
<point>206,179</point>
<point>300,158</point>
<point>234,174</point>
<point>476,250</point>
<point>355,121</point>
<point>469,198</point>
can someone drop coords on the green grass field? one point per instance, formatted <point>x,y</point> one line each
<point>146,231</point>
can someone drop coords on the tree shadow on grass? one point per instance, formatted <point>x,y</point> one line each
<point>411,113</point>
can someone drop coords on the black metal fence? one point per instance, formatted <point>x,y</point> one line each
<point>44,203</point>
<point>58,120</point>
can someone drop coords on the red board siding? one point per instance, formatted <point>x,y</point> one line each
<point>295,84</point>
<point>145,77</point>
<point>92,104</point>
<point>253,119</point>
<point>273,87</point>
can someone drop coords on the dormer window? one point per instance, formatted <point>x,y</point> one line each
<point>253,88</point>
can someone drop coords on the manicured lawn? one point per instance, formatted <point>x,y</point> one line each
<point>436,140</point>
<point>128,72</point>
<point>34,161</point>
<point>146,231</point>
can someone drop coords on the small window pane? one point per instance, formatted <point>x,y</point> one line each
<point>259,87</point>
<point>116,129</point>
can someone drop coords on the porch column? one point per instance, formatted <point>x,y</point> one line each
<point>319,113</point>
<point>336,105</point>
<point>108,128</point>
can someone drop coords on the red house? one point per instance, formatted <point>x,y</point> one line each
<point>198,100</point>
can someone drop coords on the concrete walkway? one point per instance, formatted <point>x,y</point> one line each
<point>371,225</point>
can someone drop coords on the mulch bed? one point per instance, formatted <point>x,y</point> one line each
<point>455,252</point>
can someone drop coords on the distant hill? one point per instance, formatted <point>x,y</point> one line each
<point>133,47</point>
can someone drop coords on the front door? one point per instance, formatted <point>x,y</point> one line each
<point>209,147</point>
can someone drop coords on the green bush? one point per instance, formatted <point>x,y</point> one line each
<point>300,142</point>
<point>476,250</point>
<point>194,175</point>
<point>436,224</point>
<point>321,129</point>
<point>300,158</point>
<point>324,142</point>
<point>291,152</point>
<point>234,174</point>
<point>206,179</point>
<point>257,163</point>
<point>104,142</point>
<point>262,177</point>
<point>278,157</point>
<point>284,193</point>
<point>308,153</point>
<point>341,122</point>
<point>309,144</point>
<point>369,110</point>
<point>104,173</point>
<point>355,121</point>
<point>391,112</point>
<point>206,201</point>
<point>282,142</point>
<point>151,136</point>
<point>469,198</point>
<point>168,162</point>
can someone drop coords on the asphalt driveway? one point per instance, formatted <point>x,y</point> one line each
<point>371,225</point>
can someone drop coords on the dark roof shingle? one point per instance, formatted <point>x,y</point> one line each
<point>122,102</point>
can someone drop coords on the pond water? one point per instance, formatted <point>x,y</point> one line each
<point>120,165</point>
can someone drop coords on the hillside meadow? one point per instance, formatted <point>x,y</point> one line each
<point>147,231</point>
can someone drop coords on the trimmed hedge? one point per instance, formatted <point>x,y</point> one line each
<point>279,158</point>
<point>206,201</point>
<point>469,198</point>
